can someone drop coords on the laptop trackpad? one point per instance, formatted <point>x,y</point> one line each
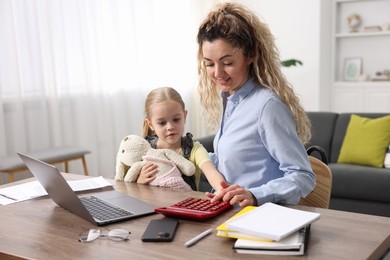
<point>126,202</point>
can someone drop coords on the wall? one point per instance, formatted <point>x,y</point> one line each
<point>302,31</point>
<point>300,28</point>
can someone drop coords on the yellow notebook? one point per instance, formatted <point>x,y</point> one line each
<point>223,231</point>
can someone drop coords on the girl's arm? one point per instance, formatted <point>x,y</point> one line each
<point>213,176</point>
<point>233,194</point>
<point>201,158</point>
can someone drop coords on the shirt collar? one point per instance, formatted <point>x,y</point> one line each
<point>242,93</point>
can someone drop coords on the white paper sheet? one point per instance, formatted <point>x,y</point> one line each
<point>34,189</point>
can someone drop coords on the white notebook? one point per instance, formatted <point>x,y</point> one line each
<point>272,221</point>
<point>294,244</point>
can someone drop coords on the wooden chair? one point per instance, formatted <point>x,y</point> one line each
<point>320,196</point>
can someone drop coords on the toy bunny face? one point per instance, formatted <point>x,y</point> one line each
<point>132,148</point>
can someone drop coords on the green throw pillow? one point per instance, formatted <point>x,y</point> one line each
<point>366,141</point>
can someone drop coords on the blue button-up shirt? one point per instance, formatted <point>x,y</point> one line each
<point>258,147</point>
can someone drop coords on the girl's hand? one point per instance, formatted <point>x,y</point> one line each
<point>147,174</point>
<point>233,194</point>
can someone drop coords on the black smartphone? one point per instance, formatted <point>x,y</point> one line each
<point>160,230</point>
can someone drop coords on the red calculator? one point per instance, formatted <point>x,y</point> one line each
<point>195,209</point>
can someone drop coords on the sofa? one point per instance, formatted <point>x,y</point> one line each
<point>356,188</point>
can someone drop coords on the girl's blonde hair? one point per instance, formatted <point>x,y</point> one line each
<point>240,27</point>
<point>159,95</point>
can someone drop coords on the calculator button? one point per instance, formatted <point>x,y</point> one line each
<point>194,208</point>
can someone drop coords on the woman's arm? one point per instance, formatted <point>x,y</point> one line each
<point>233,194</point>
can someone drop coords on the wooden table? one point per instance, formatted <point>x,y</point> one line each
<point>39,229</point>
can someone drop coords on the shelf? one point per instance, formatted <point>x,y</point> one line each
<point>362,84</point>
<point>362,34</point>
<point>372,47</point>
<point>351,1</point>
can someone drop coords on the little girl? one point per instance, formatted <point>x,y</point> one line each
<point>164,128</point>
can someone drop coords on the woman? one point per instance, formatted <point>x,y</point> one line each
<point>259,143</point>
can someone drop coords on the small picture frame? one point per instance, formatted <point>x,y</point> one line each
<point>352,68</point>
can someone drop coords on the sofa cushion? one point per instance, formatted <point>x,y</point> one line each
<point>387,158</point>
<point>323,124</point>
<point>340,130</point>
<point>360,182</point>
<point>366,141</point>
<point>207,142</point>
<point>361,206</point>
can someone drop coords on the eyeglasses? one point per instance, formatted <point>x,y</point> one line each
<point>114,234</point>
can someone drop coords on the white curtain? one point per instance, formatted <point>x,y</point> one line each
<point>76,72</point>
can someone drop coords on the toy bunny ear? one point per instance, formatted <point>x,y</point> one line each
<point>120,171</point>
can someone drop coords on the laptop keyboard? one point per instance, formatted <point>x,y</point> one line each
<point>102,210</point>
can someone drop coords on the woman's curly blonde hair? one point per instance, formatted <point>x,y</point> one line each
<point>240,27</point>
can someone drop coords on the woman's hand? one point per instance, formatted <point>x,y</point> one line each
<point>233,194</point>
<point>147,174</point>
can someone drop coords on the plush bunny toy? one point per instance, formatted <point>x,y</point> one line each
<point>134,152</point>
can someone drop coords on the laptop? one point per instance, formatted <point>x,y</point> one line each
<point>62,194</point>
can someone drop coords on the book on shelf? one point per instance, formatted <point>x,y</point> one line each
<point>294,244</point>
<point>223,231</point>
<point>272,221</point>
<point>372,29</point>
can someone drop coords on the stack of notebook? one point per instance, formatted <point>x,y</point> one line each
<point>269,229</point>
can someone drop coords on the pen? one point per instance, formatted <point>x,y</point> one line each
<point>198,237</point>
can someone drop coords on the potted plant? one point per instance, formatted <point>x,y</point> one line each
<point>291,62</point>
